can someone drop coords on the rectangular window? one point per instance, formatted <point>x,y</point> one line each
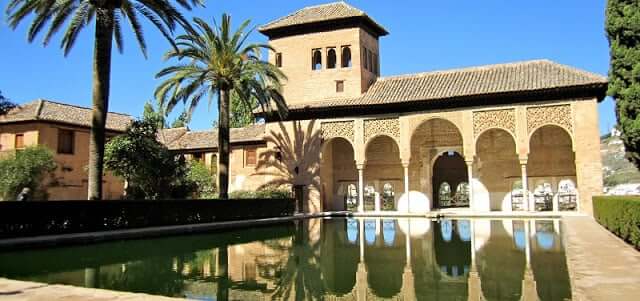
<point>364,58</point>
<point>19,143</point>
<point>278,59</point>
<point>65,141</point>
<point>250,156</point>
<point>340,86</point>
<point>198,157</point>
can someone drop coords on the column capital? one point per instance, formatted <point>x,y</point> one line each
<point>469,162</point>
<point>405,164</point>
<point>360,166</point>
<point>523,162</point>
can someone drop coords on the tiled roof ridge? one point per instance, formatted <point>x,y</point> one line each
<point>42,100</point>
<point>264,26</point>
<point>488,67</point>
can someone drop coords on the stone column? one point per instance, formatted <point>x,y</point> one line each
<point>360,187</point>
<point>525,188</point>
<point>470,181</point>
<point>405,166</point>
<point>377,198</point>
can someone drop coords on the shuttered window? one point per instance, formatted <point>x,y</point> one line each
<point>65,141</point>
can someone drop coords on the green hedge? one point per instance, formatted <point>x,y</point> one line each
<point>621,215</point>
<point>21,219</point>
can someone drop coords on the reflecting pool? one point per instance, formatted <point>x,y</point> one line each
<point>326,259</point>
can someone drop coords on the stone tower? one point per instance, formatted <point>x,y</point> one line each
<point>326,51</point>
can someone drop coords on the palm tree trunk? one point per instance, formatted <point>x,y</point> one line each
<point>101,78</point>
<point>223,143</point>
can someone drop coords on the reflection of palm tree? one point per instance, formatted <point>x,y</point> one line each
<point>294,153</point>
<point>302,279</point>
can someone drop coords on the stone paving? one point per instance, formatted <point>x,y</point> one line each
<point>601,266</point>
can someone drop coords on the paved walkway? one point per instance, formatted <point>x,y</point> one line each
<point>601,266</point>
<point>31,291</point>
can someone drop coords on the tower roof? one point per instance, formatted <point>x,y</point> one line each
<point>337,13</point>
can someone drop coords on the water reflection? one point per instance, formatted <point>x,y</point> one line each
<point>333,259</point>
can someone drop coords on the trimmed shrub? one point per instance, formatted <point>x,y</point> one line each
<point>621,215</point>
<point>263,193</point>
<point>19,219</point>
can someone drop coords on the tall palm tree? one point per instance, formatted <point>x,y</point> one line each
<point>219,63</point>
<point>108,15</point>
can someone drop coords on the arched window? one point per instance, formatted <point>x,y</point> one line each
<point>316,60</point>
<point>444,194</point>
<point>351,198</point>
<point>331,58</point>
<point>388,197</point>
<point>369,198</point>
<point>567,196</point>
<point>346,57</point>
<point>543,196</point>
<point>370,60</point>
<point>461,197</point>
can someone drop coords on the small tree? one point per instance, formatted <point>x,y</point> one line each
<point>146,164</point>
<point>25,168</point>
<point>201,176</point>
<point>623,32</point>
<point>5,104</point>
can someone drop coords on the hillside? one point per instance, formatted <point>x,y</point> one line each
<point>616,169</point>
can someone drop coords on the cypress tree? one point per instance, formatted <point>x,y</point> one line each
<point>623,32</point>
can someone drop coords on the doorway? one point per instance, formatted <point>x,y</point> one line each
<point>450,186</point>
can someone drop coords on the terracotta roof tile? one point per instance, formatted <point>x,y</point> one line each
<point>46,110</point>
<point>319,13</point>
<point>209,139</point>
<point>460,83</point>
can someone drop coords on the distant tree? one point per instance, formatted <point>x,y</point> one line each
<point>181,121</point>
<point>218,62</point>
<point>5,104</point>
<point>26,168</point>
<point>241,113</point>
<point>623,31</point>
<point>155,113</point>
<point>109,16</point>
<point>146,164</point>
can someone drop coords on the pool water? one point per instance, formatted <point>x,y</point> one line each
<point>326,259</point>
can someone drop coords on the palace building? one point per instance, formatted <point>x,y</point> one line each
<point>515,136</point>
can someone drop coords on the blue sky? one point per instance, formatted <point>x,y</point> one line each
<point>424,36</point>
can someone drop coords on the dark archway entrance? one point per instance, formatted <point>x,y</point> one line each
<point>450,181</point>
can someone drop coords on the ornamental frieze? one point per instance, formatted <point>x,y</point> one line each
<point>343,129</point>
<point>558,115</point>
<point>484,120</point>
<point>386,126</point>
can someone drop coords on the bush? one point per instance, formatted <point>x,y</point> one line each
<point>621,215</point>
<point>25,168</point>
<point>200,175</point>
<point>263,193</point>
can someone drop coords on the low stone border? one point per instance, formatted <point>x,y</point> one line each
<point>24,290</point>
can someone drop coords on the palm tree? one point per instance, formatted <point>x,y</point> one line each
<point>108,15</point>
<point>219,64</point>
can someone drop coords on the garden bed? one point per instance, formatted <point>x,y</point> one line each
<point>23,219</point>
<point>621,215</point>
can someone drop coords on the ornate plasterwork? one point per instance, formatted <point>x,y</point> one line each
<point>504,119</point>
<point>387,126</point>
<point>342,129</point>
<point>558,115</point>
